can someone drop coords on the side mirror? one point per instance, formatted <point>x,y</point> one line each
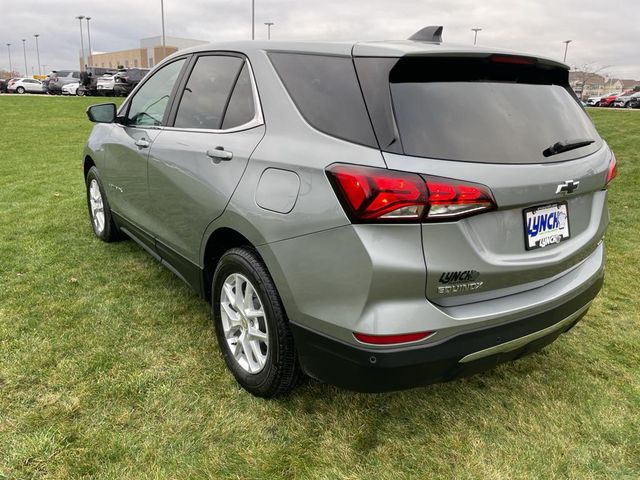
<point>102,113</point>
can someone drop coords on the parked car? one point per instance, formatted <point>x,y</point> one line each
<point>593,101</point>
<point>89,80</point>
<point>55,80</point>
<point>608,99</point>
<point>623,100</point>
<point>10,82</point>
<point>70,88</point>
<point>105,84</point>
<point>3,85</point>
<point>362,238</point>
<point>126,80</point>
<point>634,102</point>
<point>25,85</point>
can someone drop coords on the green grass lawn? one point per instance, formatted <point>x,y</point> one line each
<point>109,367</point>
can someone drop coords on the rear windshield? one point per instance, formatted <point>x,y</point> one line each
<point>474,110</point>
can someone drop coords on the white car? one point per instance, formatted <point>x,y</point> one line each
<point>26,85</point>
<point>70,88</point>
<point>105,84</point>
<point>593,101</point>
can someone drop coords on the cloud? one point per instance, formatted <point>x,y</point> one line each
<point>600,34</point>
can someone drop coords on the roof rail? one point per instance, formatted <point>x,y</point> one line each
<point>432,33</point>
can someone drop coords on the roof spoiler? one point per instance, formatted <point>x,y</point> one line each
<point>432,33</point>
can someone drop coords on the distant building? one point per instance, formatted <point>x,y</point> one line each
<point>147,55</point>
<point>587,84</point>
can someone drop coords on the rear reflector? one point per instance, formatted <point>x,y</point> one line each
<point>380,195</point>
<point>613,168</point>
<point>391,339</point>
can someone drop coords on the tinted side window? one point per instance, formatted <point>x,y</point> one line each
<point>241,108</point>
<point>150,102</point>
<point>207,92</point>
<point>326,91</point>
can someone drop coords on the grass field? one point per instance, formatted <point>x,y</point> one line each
<point>109,368</point>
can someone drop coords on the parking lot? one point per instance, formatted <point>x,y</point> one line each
<point>106,366</point>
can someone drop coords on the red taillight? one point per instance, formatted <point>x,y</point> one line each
<point>512,59</point>
<point>613,169</point>
<point>375,194</point>
<point>391,339</point>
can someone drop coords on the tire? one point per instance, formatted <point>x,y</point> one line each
<point>20,90</point>
<point>80,93</point>
<point>277,371</point>
<point>103,226</point>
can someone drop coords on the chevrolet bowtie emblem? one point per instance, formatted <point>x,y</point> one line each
<point>569,186</point>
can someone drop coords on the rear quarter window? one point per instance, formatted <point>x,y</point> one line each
<point>326,92</point>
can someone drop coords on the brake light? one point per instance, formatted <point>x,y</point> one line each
<point>512,59</point>
<point>613,169</point>
<point>380,195</point>
<point>391,339</point>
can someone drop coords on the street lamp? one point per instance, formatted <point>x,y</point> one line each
<point>89,37</point>
<point>164,46</point>
<point>475,37</point>
<point>566,47</point>
<point>24,50</point>
<point>38,51</point>
<point>80,17</point>
<point>269,24</point>
<point>10,67</point>
<point>253,19</point>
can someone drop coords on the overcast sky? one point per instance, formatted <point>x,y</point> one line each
<point>603,33</point>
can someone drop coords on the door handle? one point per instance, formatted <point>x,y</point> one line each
<point>142,143</point>
<point>219,153</point>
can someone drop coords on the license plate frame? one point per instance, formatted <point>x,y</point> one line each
<point>557,236</point>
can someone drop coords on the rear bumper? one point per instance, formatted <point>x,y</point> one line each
<point>369,370</point>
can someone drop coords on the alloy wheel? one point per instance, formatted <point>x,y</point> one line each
<point>244,323</point>
<point>97,206</point>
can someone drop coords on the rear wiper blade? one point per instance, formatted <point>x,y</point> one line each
<point>566,145</point>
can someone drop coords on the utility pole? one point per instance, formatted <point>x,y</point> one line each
<point>24,50</point>
<point>164,45</point>
<point>80,17</point>
<point>253,19</point>
<point>566,47</point>
<point>10,66</point>
<point>89,37</point>
<point>475,38</point>
<point>269,24</point>
<point>38,51</point>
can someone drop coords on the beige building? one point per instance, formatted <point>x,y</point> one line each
<point>587,84</point>
<point>147,55</point>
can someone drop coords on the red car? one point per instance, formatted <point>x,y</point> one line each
<point>608,100</point>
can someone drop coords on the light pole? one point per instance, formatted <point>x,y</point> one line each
<point>475,37</point>
<point>10,66</point>
<point>24,50</point>
<point>253,19</point>
<point>269,24</point>
<point>566,47</point>
<point>164,46</point>
<point>80,17</point>
<point>38,52</point>
<point>89,38</point>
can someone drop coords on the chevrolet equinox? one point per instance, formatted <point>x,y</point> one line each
<point>377,215</point>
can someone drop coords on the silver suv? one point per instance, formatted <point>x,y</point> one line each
<point>377,215</point>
